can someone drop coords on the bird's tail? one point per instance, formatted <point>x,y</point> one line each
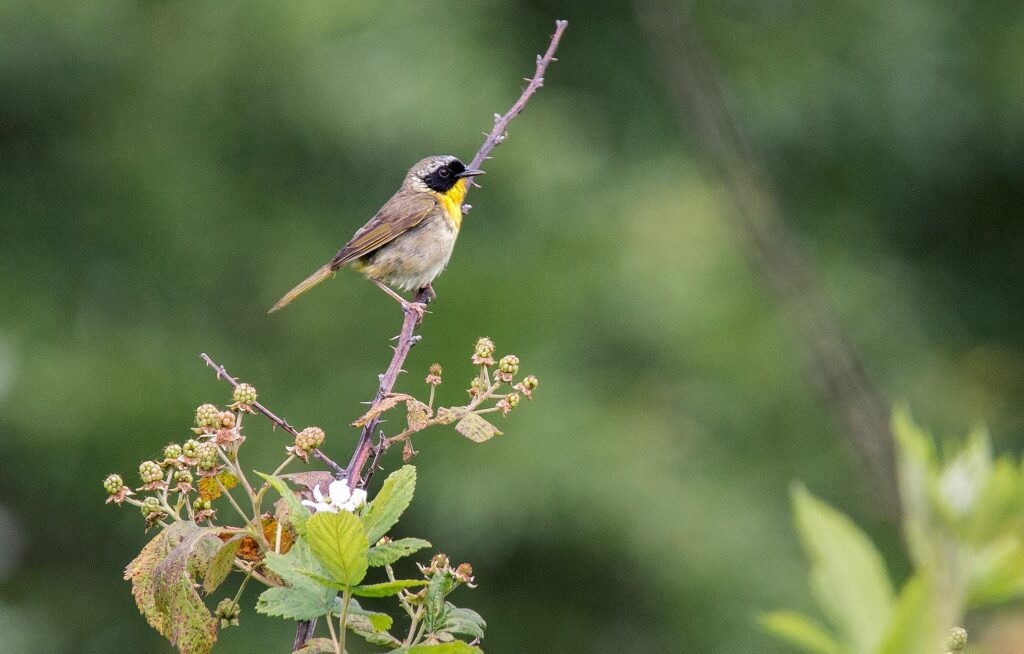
<point>306,284</point>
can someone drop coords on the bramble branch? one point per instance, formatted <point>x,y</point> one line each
<point>222,373</point>
<point>406,338</point>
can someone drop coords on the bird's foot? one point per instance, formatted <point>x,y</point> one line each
<point>417,308</point>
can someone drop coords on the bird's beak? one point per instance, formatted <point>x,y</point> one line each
<point>470,172</point>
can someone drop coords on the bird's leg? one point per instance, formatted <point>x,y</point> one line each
<point>414,307</point>
<point>428,293</point>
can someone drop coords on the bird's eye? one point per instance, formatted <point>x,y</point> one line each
<point>444,172</point>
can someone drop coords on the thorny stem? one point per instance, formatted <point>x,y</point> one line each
<point>222,373</point>
<point>406,339</point>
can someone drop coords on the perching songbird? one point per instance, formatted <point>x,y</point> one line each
<point>408,243</point>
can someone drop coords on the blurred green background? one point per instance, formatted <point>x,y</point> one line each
<point>168,169</point>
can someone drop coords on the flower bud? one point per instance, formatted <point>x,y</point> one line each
<point>227,613</point>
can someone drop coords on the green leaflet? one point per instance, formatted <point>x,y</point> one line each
<point>298,513</point>
<point>465,622</point>
<point>387,588</point>
<point>388,553</point>
<point>220,565</point>
<point>339,542</point>
<point>317,646</point>
<point>848,576</point>
<point>303,599</point>
<point>392,500</point>
<point>800,631</point>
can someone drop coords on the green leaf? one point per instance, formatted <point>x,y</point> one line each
<point>339,541</point>
<point>392,500</point>
<point>220,565</point>
<point>317,646</point>
<point>800,631</point>
<point>379,621</point>
<point>298,513</point>
<point>476,428</point>
<point>388,553</point>
<point>848,577</point>
<point>465,622</point>
<point>303,599</point>
<point>454,647</point>
<point>388,588</point>
<point>912,628</point>
<point>437,589</point>
<point>370,625</point>
<point>917,464</point>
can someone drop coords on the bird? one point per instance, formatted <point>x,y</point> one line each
<point>410,239</point>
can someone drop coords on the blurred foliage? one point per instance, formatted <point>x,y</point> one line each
<point>963,514</point>
<point>170,168</point>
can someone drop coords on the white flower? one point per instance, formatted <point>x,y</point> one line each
<point>341,498</point>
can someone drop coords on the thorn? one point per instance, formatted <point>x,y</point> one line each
<point>497,117</point>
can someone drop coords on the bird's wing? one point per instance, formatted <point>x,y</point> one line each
<point>398,215</point>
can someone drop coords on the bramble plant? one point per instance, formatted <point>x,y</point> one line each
<point>962,518</point>
<point>314,549</point>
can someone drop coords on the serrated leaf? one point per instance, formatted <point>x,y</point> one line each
<point>386,404</point>
<point>392,500</point>
<point>476,428</point>
<point>162,579</point>
<point>379,621</point>
<point>436,608</point>
<point>317,646</point>
<point>361,627</point>
<point>339,541</point>
<point>303,599</point>
<point>454,647</point>
<point>388,553</point>
<point>848,576</point>
<point>912,628</point>
<point>220,565</point>
<point>296,511</point>
<point>800,631</point>
<point>387,588</point>
<point>465,622</point>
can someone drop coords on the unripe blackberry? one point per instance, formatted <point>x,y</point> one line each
<point>151,505</point>
<point>206,415</point>
<point>112,484</point>
<point>150,471</point>
<point>224,420</point>
<point>484,347</point>
<point>464,573</point>
<point>475,387</point>
<point>183,476</point>
<point>172,451</point>
<point>957,639</point>
<point>309,439</point>
<point>439,562</point>
<point>190,448</point>
<point>245,394</point>
<point>206,455</point>
<point>530,382</point>
<point>513,400</point>
<point>509,364</point>
<point>201,505</point>
<point>435,369</point>
<point>482,352</point>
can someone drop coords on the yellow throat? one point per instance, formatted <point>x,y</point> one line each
<point>451,201</point>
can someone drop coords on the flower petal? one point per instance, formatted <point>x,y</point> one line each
<point>340,492</point>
